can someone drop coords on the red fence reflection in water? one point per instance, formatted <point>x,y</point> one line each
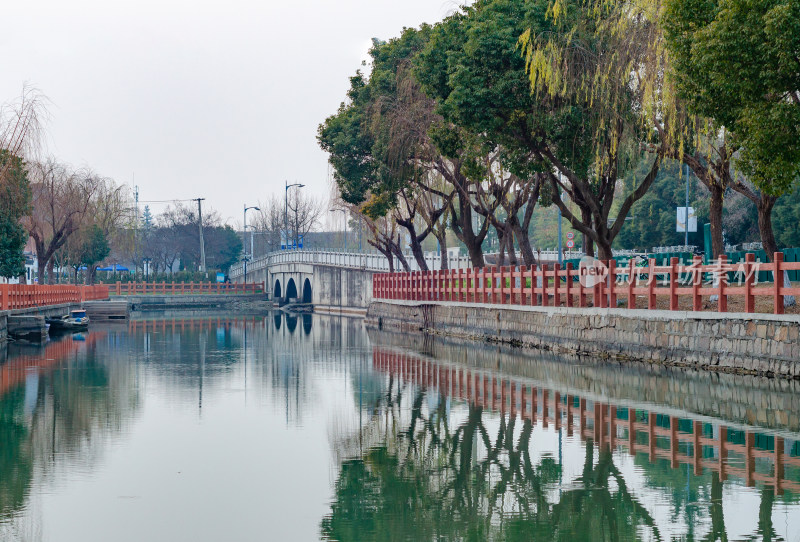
<point>600,422</point>
<point>192,324</point>
<point>15,370</point>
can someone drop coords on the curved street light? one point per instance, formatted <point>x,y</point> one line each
<point>244,240</point>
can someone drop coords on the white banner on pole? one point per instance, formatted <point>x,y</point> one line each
<point>680,225</point>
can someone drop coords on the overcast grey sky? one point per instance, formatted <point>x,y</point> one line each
<point>196,99</point>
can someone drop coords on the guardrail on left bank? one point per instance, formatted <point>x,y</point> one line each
<point>23,296</point>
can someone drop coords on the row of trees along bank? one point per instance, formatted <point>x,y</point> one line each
<point>78,219</point>
<point>507,106</point>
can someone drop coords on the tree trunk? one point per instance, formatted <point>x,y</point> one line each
<point>524,243</point>
<point>510,249</point>
<point>501,246</point>
<point>604,251</point>
<point>444,260</point>
<point>715,219</point>
<point>475,252</point>
<point>402,259</point>
<point>416,250</point>
<point>462,226</point>
<point>764,206</point>
<point>388,256</point>
<point>50,268</point>
<point>588,244</point>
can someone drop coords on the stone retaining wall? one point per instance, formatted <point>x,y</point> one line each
<point>732,342</point>
<point>160,302</point>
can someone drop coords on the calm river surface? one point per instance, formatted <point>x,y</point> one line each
<point>207,427</point>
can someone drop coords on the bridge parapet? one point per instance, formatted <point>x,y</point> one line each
<point>368,261</point>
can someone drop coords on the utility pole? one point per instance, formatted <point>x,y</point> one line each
<point>136,231</point>
<point>200,227</point>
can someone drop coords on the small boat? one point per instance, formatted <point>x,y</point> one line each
<point>76,320</point>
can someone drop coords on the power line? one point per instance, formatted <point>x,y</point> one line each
<point>166,200</point>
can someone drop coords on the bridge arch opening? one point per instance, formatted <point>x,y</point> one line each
<point>276,292</point>
<point>291,289</point>
<point>307,297</point>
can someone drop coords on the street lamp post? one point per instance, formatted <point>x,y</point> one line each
<point>244,229</point>
<point>286,209</point>
<point>344,212</point>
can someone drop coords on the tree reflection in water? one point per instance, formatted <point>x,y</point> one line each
<point>436,468</point>
<point>58,403</point>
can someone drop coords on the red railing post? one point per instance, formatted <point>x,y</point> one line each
<point>631,284</point>
<point>503,285</point>
<point>697,279</point>
<point>722,303</point>
<point>556,284</point>
<point>612,284</point>
<point>651,284</point>
<point>673,284</point>
<point>749,270</point>
<point>570,303</point>
<point>545,284</point>
<point>5,304</point>
<point>777,275</point>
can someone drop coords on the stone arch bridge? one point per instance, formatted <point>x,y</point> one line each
<point>330,281</point>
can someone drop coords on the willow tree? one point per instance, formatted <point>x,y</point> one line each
<point>20,130</point>
<point>595,71</point>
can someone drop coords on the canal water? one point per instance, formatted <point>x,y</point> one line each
<point>228,428</point>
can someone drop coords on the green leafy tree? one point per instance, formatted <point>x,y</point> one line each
<point>15,196</point>
<point>581,142</point>
<point>736,62</point>
<point>384,157</point>
<point>94,249</point>
<point>786,217</point>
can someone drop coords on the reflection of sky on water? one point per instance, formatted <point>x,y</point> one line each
<point>220,428</point>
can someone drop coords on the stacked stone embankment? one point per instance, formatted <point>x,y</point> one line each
<point>731,342</point>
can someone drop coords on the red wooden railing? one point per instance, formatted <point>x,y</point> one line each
<point>23,296</point>
<point>600,422</point>
<point>188,288</point>
<point>17,369</point>
<point>554,286</point>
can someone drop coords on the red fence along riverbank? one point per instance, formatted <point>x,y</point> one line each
<point>602,282</point>
<point>23,296</point>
